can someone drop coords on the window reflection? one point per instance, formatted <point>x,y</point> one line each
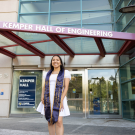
<point>40,19</point>
<point>75,106</point>
<point>128,90</point>
<point>125,57</point>
<point>122,3</point>
<point>82,45</point>
<point>65,18</point>
<point>123,21</point>
<point>35,7</point>
<point>94,17</point>
<point>65,5</point>
<point>107,27</point>
<point>128,71</point>
<point>74,94</point>
<point>75,86</point>
<point>96,4</point>
<point>103,91</point>
<point>129,109</point>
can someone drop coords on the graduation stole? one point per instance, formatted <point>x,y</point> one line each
<point>52,117</point>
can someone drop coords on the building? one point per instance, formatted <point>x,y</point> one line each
<point>102,83</point>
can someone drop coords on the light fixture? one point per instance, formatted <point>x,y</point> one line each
<point>128,9</point>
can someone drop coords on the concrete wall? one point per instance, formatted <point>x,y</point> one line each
<point>5,84</point>
<point>8,12</point>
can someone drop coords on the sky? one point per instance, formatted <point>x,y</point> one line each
<point>106,73</point>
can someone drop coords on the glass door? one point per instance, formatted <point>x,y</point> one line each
<point>75,92</point>
<point>103,91</point>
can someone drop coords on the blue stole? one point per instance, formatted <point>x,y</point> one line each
<point>52,117</point>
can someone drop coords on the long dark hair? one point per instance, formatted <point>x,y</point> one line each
<point>61,66</point>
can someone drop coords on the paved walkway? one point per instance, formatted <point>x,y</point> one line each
<point>72,126</point>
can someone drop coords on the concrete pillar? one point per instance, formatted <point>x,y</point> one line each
<point>9,13</point>
<point>5,84</point>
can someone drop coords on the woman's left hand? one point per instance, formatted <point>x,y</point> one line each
<point>62,107</point>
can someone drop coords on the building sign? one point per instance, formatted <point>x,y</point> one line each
<point>5,75</point>
<point>27,90</point>
<point>56,29</point>
<point>47,29</point>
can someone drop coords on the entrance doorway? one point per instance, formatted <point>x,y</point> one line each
<point>75,93</point>
<point>103,92</point>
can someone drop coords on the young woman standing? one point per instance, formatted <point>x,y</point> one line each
<point>54,95</point>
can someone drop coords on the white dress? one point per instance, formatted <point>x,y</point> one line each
<point>65,111</point>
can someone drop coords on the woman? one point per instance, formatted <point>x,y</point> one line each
<point>54,95</point>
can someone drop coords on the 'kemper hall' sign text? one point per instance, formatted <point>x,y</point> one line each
<point>27,90</point>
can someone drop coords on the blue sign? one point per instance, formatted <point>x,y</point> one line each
<point>96,105</point>
<point>27,90</point>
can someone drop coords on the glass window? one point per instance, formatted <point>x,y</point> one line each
<point>127,72</point>
<point>112,46</point>
<point>130,27</point>
<point>123,21</point>
<point>34,19</point>
<point>49,48</point>
<point>32,0</point>
<point>115,2</point>
<point>65,5</point>
<point>35,7</point>
<point>129,109</point>
<point>75,86</point>
<point>19,50</point>
<point>65,18</point>
<point>72,26</point>
<point>125,57</point>
<point>75,106</point>
<point>128,90</point>
<point>97,17</point>
<point>108,27</point>
<point>96,4</point>
<point>75,100</point>
<point>132,2</point>
<point>123,3</point>
<point>15,90</point>
<point>31,37</point>
<point>5,41</point>
<point>103,91</point>
<point>82,45</point>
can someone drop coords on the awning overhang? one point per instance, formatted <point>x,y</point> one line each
<point>8,29</point>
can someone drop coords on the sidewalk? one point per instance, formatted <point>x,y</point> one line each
<point>72,126</point>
